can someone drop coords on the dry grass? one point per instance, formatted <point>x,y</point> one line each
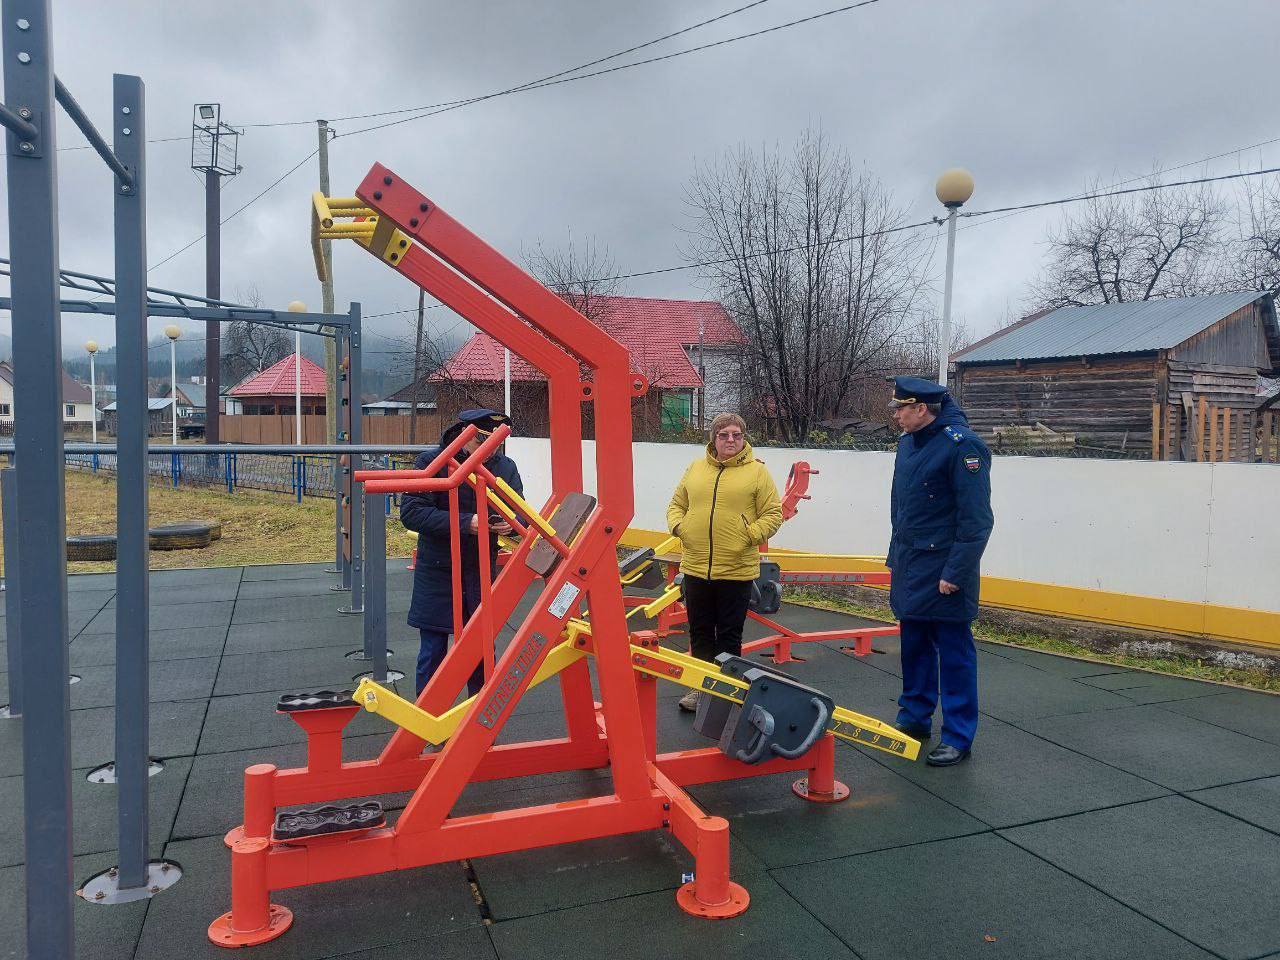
<point>257,526</point>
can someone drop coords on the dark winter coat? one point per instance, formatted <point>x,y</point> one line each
<point>941,515</point>
<point>427,514</point>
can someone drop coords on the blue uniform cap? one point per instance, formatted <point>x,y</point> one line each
<point>485,420</point>
<point>908,390</point>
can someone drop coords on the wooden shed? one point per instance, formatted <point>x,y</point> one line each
<point>1183,371</point>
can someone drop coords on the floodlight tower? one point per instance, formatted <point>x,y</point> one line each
<point>213,153</point>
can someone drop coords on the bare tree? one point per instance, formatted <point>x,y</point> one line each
<point>582,273</point>
<point>1141,246</point>
<point>1254,259</point>
<point>250,347</point>
<point>809,257</point>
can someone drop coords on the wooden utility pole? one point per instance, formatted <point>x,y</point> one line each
<point>417,373</point>
<point>326,298</point>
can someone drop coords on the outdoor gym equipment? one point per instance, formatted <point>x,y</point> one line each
<point>643,569</point>
<point>568,547</point>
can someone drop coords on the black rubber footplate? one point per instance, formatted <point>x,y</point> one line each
<point>319,821</point>
<point>320,700</point>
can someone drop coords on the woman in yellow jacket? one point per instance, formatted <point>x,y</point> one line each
<point>724,508</point>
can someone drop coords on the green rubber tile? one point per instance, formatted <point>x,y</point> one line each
<point>1257,801</point>
<point>194,576</point>
<point>94,828</point>
<point>169,680</point>
<point>532,882</point>
<point>302,587</point>
<point>79,601</point>
<point>330,920</point>
<point>214,799</point>
<point>286,571</point>
<point>101,933</point>
<point>1017,692</point>
<point>946,898</point>
<point>1177,862</point>
<point>1169,749</point>
<point>177,616</point>
<point>1015,777</point>
<point>91,581</point>
<point>1056,664</point>
<point>98,649</point>
<point>472,943</point>
<point>1253,714</point>
<point>249,721</point>
<point>174,729</point>
<point>1142,687</point>
<point>272,609</point>
<point>324,668</point>
<point>883,810</point>
<point>648,925</point>
<point>246,638</point>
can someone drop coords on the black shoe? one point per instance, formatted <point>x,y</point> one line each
<point>915,733</point>
<point>945,755</point>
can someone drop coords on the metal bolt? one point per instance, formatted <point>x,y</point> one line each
<point>403,244</point>
<point>582,571</point>
<point>155,889</point>
<point>377,194</point>
<point>124,188</point>
<point>422,207</point>
<point>126,131</point>
<point>164,868</point>
<point>666,806</point>
<point>395,257</point>
<point>99,895</point>
<point>24,23</point>
<point>413,221</point>
<point>26,148</point>
<point>608,528</point>
<point>126,110</point>
<point>666,824</point>
<point>24,57</point>
<point>24,113</point>
<point>386,181</point>
<point>113,872</point>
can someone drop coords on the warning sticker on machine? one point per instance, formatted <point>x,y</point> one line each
<point>564,600</point>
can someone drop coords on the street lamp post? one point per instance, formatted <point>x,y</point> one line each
<point>953,188</point>
<point>92,347</point>
<point>297,306</point>
<point>172,332</point>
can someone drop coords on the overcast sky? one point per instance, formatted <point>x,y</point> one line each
<point>1037,99</point>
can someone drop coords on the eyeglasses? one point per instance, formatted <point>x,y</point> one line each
<point>729,435</point>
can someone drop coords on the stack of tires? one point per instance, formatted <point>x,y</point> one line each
<point>173,536</point>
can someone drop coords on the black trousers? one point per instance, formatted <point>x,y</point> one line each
<point>717,611</point>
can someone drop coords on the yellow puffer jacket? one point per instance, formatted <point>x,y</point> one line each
<point>722,512</point>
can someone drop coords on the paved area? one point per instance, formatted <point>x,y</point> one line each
<point>1104,813</point>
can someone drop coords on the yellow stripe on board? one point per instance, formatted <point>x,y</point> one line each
<point>1214,621</point>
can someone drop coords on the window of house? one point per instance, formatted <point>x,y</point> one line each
<point>71,409</point>
<point>5,410</point>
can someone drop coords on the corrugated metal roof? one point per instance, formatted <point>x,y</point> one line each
<point>1108,328</point>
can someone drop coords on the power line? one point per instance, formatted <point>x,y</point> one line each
<point>538,85</point>
<point>553,76</point>
<point>258,196</point>
<point>1117,193</point>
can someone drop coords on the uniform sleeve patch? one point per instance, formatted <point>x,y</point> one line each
<point>972,464</point>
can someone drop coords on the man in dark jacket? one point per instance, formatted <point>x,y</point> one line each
<point>427,514</point>
<point>941,516</point>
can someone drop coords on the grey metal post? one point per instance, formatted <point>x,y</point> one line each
<point>356,419</point>
<point>375,590</point>
<point>132,598</point>
<point>12,587</point>
<point>212,290</point>
<point>38,432</point>
<point>339,561</point>
<point>944,331</point>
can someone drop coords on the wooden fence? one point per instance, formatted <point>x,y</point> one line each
<point>1207,433</point>
<point>281,429</point>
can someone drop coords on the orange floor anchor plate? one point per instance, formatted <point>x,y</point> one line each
<point>737,903</point>
<point>224,935</point>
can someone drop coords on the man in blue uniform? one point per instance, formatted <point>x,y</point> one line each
<point>941,515</point>
<point>427,514</point>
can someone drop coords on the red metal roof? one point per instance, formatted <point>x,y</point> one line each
<point>278,381</point>
<point>655,333</point>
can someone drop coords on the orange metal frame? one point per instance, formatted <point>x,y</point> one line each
<point>460,270</point>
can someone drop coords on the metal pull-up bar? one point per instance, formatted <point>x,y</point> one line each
<point>81,120</point>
